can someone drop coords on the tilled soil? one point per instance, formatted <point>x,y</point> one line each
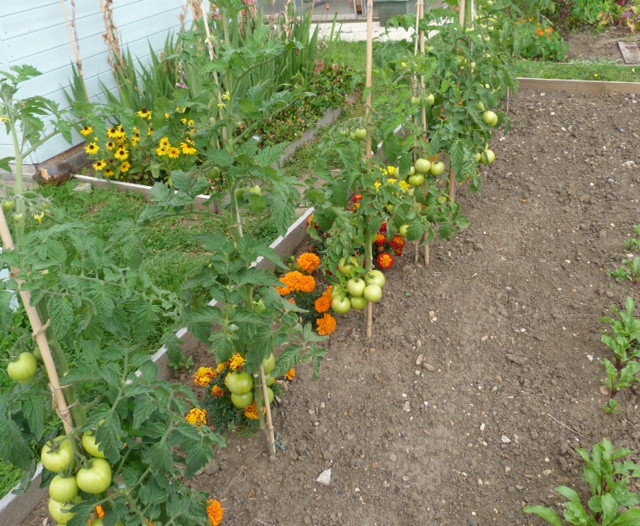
<point>484,373</point>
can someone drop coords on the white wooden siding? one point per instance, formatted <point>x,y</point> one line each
<point>34,32</point>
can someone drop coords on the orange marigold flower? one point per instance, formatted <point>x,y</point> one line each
<point>397,242</point>
<point>218,392</point>
<point>540,32</point>
<point>308,262</point>
<point>251,412</point>
<point>326,325</point>
<point>291,374</point>
<point>236,362</point>
<point>309,221</point>
<point>323,303</point>
<point>383,228</point>
<point>222,367</point>
<point>385,261</point>
<point>549,30</point>
<point>197,417</point>
<point>100,512</point>
<point>215,512</point>
<point>204,376</point>
<point>296,282</point>
<point>381,239</point>
<point>307,284</point>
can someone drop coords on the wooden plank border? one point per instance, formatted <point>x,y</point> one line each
<point>589,87</point>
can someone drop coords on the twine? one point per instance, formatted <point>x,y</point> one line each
<point>41,330</point>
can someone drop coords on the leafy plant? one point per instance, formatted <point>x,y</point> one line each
<point>623,371</point>
<point>630,270</point>
<point>634,243</point>
<point>613,503</point>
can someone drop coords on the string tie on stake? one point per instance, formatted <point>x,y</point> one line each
<point>41,330</point>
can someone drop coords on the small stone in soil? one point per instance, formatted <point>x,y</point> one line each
<point>325,477</point>
<point>505,439</point>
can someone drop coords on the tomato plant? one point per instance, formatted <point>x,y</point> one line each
<point>57,454</point>
<point>96,477</point>
<point>90,446</point>
<point>239,383</point>
<point>23,369</point>
<point>63,489</point>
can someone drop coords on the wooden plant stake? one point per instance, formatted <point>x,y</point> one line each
<point>39,335</point>
<point>452,184</point>
<point>368,84</point>
<point>267,405</point>
<point>74,39</point>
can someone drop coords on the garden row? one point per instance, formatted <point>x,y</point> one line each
<point>130,439</point>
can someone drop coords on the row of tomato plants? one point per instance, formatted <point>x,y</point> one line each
<point>136,438</point>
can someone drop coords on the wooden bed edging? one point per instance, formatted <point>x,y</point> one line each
<point>590,87</point>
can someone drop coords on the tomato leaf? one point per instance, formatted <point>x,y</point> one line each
<point>61,315</point>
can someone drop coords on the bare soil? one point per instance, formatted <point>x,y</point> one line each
<point>484,373</point>
<point>599,46</point>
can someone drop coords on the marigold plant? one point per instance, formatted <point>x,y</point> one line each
<point>291,374</point>
<point>308,262</point>
<point>204,376</point>
<point>215,511</point>
<point>326,325</point>
<point>323,303</point>
<point>197,417</point>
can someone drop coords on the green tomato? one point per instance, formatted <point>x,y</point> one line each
<point>214,173</point>
<point>239,383</point>
<point>90,446</point>
<point>63,489</point>
<point>437,169</point>
<point>18,218</point>
<point>490,118</point>
<point>61,511</point>
<point>430,99</point>
<point>242,401</point>
<point>270,380</point>
<point>269,363</point>
<point>8,206</point>
<point>341,304</point>
<point>359,303</point>
<point>254,190</point>
<point>422,166</point>
<point>356,286</point>
<point>270,395</point>
<point>416,101</point>
<point>57,454</point>
<point>376,277</point>
<point>360,133</point>
<point>373,293</point>
<point>23,369</point>
<point>96,478</point>
<point>416,180</point>
<point>488,157</point>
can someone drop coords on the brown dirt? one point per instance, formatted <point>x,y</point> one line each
<point>599,46</point>
<point>505,325</point>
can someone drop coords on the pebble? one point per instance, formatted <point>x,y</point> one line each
<point>393,457</point>
<point>505,439</point>
<point>406,407</point>
<point>429,367</point>
<point>419,359</point>
<point>325,477</point>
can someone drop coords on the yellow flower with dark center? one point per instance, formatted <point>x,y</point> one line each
<point>92,148</point>
<point>113,133</point>
<point>99,166</point>
<point>150,131</point>
<point>110,145</point>
<point>135,140</point>
<point>191,122</point>
<point>108,173</point>
<point>125,167</point>
<point>121,154</point>
<point>173,153</point>
<point>162,151</point>
<point>197,417</point>
<point>145,113</point>
<point>165,142</point>
<point>183,120</point>
<point>187,150</point>
<point>86,131</point>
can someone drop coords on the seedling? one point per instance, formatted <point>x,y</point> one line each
<point>612,503</point>
<point>625,343</point>
<point>630,270</point>
<point>634,244</point>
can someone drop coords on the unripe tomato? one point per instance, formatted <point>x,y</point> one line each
<point>57,454</point>
<point>430,99</point>
<point>239,383</point>
<point>269,363</point>
<point>490,118</point>
<point>422,166</point>
<point>23,369</point>
<point>242,401</point>
<point>358,303</point>
<point>8,206</point>
<point>437,168</point>
<point>90,446</point>
<point>61,511</point>
<point>376,277</point>
<point>96,478</point>
<point>373,293</point>
<point>356,286</point>
<point>416,180</point>
<point>360,133</point>
<point>341,304</point>
<point>63,489</point>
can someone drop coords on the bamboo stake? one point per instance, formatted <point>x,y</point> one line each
<point>463,7</point>
<point>74,39</point>
<point>39,334</point>
<point>419,5</point>
<point>452,184</point>
<point>368,84</point>
<point>265,395</point>
<point>424,115</point>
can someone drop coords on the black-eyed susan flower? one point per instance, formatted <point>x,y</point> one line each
<point>162,151</point>
<point>173,152</point>
<point>108,173</point>
<point>164,142</point>
<point>187,149</point>
<point>145,113</point>
<point>86,131</point>
<point>125,167</point>
<point>92,148</point>
<point>113,133</point>
<point>110,146</point>
<point>121,154</point>
<point>99,165</point>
